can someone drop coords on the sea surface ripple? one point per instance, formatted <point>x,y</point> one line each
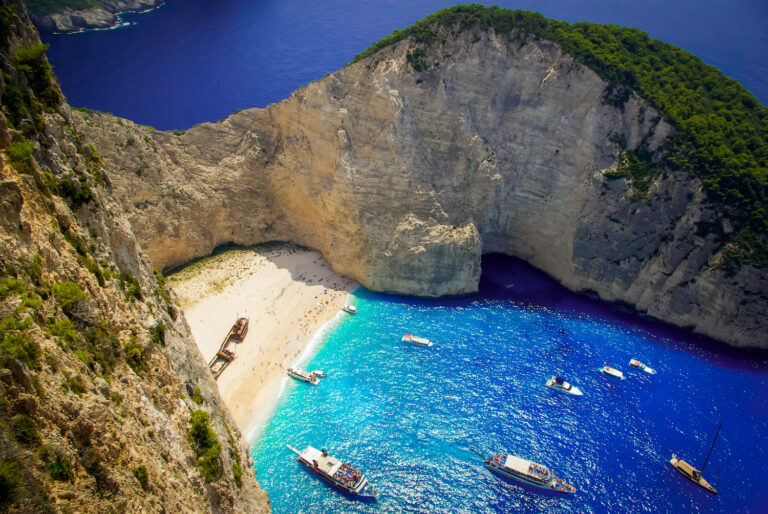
<point>407,416</point>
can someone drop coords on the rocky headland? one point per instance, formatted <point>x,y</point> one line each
<point>404,177</point>
<point>102,14</point>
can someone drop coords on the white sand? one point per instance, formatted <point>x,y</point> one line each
<point>280,288</point>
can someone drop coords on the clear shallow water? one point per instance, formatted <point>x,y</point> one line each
<point>407,415</point>
<point>192,61</point>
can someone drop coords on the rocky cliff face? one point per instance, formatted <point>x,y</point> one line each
<point>100,379</point>
<point>402,179</point>
<point>106,15</point>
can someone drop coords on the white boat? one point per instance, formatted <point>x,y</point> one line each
<point>639,365</point>
<point>526,472</point>
<point>611,372</point>
<point>419,341</point>
<point>319,373</point>
<point>304,376</point>
<point>339,474</point>
<point>558,384</point>
<point>350,309</point>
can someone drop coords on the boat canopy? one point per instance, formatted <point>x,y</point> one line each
<point>559,380</point>
<point>517,464</point>
<point>326,463</point>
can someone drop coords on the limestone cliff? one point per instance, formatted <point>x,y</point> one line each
<point>105,402</point>
<point>403,178</point>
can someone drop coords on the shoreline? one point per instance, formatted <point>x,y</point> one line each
<point>291,296</point>
<point>273,394</point>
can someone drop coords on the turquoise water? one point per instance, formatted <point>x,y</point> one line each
<point>407,415</point>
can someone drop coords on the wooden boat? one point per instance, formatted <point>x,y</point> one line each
<point>611,372</point>
<point>304,376</point>
<point>224,356</point>
<point>558,384</point>
<point>693,474</point>
<point>239,329</point>
<point>526,472</point>
<point>639,365</point>
<point>350,309</point>
<point>337,473</point>
<point>418,341</point>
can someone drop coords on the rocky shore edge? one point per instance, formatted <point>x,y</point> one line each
<point>106,17</point>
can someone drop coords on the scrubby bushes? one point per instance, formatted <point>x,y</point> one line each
<point>16,343</point>
<point>206,446</point>
<point>135,356</point>
<point>69,295</point>
<point>142,475</point>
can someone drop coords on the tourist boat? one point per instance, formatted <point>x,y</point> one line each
<point>611,372</point>
<point>419,341</point>
<point>527,472</point>
<point>304,375</point>
<point>350,309</point>
<point>239,329</point>
<point>337,473</point>
<point>558,384</point>
<point>639,365</point>
<point>693,474</point>
<point>319,373</point>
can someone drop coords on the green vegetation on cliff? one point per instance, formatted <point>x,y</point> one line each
<point>723,129</point>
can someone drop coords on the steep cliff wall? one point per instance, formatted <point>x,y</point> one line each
<point>100,379</point>
<point>403,178</point>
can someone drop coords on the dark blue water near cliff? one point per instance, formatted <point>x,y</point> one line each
<point>408,415</point>
<point>192,61</point>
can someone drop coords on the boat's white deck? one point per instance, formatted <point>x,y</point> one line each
<point>517,464</point>
<point>328,464</point>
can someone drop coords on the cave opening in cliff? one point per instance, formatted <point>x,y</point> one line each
<point>509,278</point>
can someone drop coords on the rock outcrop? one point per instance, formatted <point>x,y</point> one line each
<point>105,401</point>
<point>107,15</point>
<point>403,178</point>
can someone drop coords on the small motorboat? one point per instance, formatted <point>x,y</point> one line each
<point>611,372</point>
<point>337,473</point>
<point>558,384</point>
<point>639,365</point>
<point>304,376</point>
<point>319,373</point>
<point>350,309</point>
<point>526,472</point>
<point>419,341</point>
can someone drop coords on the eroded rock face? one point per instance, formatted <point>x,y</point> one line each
<point>402,179</point>
<point>97,363</point>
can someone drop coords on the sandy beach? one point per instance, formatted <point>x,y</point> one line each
<point>287,292</point>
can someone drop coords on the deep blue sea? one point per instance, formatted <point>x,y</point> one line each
<point>408,415</point>
<point>192,61</point>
